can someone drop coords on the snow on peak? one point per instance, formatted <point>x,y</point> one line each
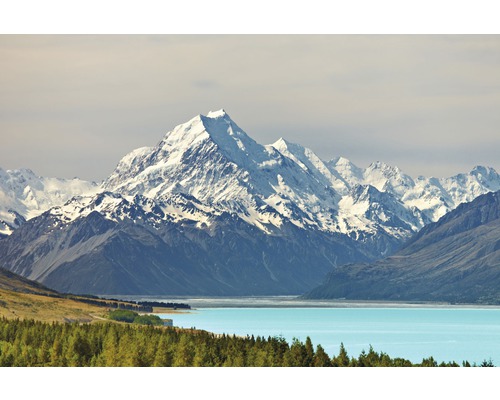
<point>288,148</point>
<point>217,114</point>
<point>382,166</point>
<point>300,154</point>
<point>340,161</point>
<point>485,173</point>
<point>133,158</point>
<point>204,157</point>
<point>349,173</point>
<point>216,127</point>
<point>24,195</point>
<point>344,164</point>
<point>294,152</point>
<point>280,144</point>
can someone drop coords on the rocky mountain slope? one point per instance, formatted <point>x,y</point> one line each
<point>16,283</point>
<point>118,248</point>
<point>210,211</point>
<point>456,259</point>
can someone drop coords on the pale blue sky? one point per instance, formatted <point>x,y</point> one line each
<point>74,105</point>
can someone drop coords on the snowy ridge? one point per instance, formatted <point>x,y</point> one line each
<point>24,195</point>
<point>178,209</point>
<point>211,159</point>
<point>209,167</point>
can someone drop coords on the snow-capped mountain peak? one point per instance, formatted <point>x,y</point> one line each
<point>487,176</point>
<point>307,160</point>
<point>200,155</point>
<point>282,144</point>
<point>212,164</point>
<point>217,114</point>
<point>347,171</point>
<point>212,159</point>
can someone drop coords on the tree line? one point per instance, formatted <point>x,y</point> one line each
<point>138,306</point>
<point>113,303</point>
<point>131,317</point>
<point>100,302</point>
<point>149,304</point>
<point>35,343</point>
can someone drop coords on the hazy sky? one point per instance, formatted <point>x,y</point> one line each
<point>74,105</point>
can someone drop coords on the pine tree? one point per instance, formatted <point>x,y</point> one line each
<point>57,358</point>
<point>342,360</point>
<point>110,348</point>
<point>163,355</point>
<point>262,358</point>
<point>129,352</point>
<point>184,352</point>
<point>296,356</point>
<point>6,356</point>
<point>202,357</point>
<point>308,362</point>
<point>44,354</point>
<point>321,359</point>
<point>78,350</point>
<point>429,362</point>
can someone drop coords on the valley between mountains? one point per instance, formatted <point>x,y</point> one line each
<point>209,211</point>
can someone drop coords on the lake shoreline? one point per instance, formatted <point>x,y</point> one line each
<point>412,333</point>
<point>294,302</point>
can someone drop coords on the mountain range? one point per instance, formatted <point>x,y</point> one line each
<point>456,259</point>
<point>210,211</point>
<point>24,195</point>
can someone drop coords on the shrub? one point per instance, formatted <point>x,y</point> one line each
<point>123,315</point>
<point>148,320</point>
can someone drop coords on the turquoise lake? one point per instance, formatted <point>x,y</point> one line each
<point>447,334</point>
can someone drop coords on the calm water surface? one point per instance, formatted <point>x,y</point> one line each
<point>447,334</point>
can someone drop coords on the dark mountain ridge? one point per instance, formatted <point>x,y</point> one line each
<point>456,259</point>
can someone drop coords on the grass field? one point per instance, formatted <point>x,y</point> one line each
<point>25,299</point>
<point>49,309</point>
